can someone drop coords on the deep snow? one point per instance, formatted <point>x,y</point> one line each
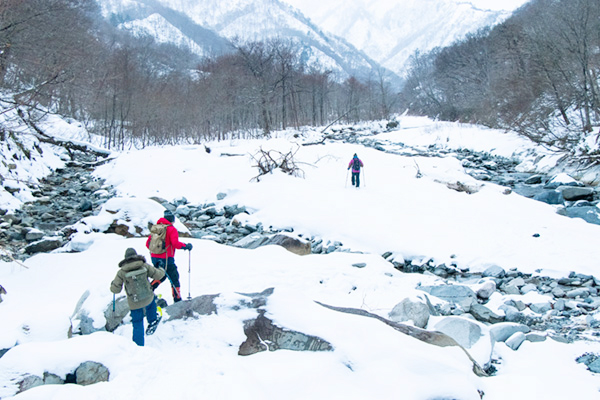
<point>415,218</point>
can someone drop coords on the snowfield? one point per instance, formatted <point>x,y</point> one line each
<point>418,219</point>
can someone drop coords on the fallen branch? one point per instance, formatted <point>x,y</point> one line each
<point>431,337</point>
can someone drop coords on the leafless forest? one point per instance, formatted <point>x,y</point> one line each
<point>537,73</point>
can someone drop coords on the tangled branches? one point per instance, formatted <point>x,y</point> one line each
<point>268,161</point>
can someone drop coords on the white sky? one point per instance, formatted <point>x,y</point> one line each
<point>393,211</point>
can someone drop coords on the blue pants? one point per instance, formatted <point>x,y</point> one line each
<point>137,320</point>
<point>356,178</point>
<point>170,269</point>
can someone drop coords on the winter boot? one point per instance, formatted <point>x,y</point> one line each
<point>176,294</point>
<point>153,325</point>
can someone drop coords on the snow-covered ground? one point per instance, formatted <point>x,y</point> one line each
<point>415,218</point>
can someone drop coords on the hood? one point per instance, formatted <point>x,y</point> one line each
<point>164,221</point>
<point>133,263</point>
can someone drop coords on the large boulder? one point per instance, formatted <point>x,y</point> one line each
<point>464,331</point>
<point>411,309</point>
<point>91,372</point>
<point>484,314</point>
<point>201,305</point>
<point>572,193</point>
<point>502,331</point>
<point>451,293</point>
<point>262,335</point>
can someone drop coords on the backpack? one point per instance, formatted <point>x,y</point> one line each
<point>356,164</point>
<point>137,286</point>
<point>158,239</point>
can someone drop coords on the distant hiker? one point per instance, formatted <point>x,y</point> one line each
<point>134,273</point>
<point>163,255</point>
<point>356,165</point>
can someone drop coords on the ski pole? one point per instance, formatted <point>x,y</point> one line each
<point>190,275</point>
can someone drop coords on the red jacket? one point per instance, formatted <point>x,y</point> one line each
<point>172,240</point>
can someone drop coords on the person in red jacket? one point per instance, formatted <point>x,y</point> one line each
<point>166,260</point>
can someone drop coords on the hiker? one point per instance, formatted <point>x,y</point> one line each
<point>166,259</point>
<point>140,296</point>
<point>355,164</point>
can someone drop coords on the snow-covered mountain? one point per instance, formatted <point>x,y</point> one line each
<point>207,27</point>
<point>390,31</point>
<point>346,37</point>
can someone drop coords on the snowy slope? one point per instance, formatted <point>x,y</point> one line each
<point>237,19</point>
<point>390,32</point>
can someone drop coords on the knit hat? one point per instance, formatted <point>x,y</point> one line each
<point>169,216</point>
<point>129,253</point>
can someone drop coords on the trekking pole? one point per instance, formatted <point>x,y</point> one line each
<point>114,295</point>
<point>346,181</point>
<point>190,275</point>
<point>364,177</point>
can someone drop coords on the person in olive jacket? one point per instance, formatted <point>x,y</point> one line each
<point>147,302</point>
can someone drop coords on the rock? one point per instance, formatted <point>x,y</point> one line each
<point>486,290</point>
<point>515,341</point>
<point>465,332</point>
<point>534,180</point>
<point>550,197</point>
<point>576,193</point>
<point>413,310</point>
<point>530,287</point>
<point>540,308</point>
<point>34,234</point>
<point>359,265</point>
<point>451,293</point>
<point>43,246</point>
<point>494,272</point>
<point>535,337</point>
<point>2,291</point>
<point>484,314</point>
<point>115,317</point>
<point>581,292</point>
<point>502,331</point>
<point>201,305</point>
<point>85,205</point>
<point>590,214</point>
<point>30,381</point>
<point>52,379</point>
<point>91,372</point>
<point>263,335</point>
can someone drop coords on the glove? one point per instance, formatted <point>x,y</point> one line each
<point>155,284</point>
<point>188,247</point>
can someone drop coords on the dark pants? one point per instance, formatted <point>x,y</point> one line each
<point>356,178</point>
<point>137,320</point>
<point>171,270</point>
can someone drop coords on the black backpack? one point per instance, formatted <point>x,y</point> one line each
<point>356,164</point>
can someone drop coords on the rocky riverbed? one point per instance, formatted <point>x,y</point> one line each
<point>72,193</point>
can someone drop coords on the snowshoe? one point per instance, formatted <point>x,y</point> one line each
<point>153,325</point>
